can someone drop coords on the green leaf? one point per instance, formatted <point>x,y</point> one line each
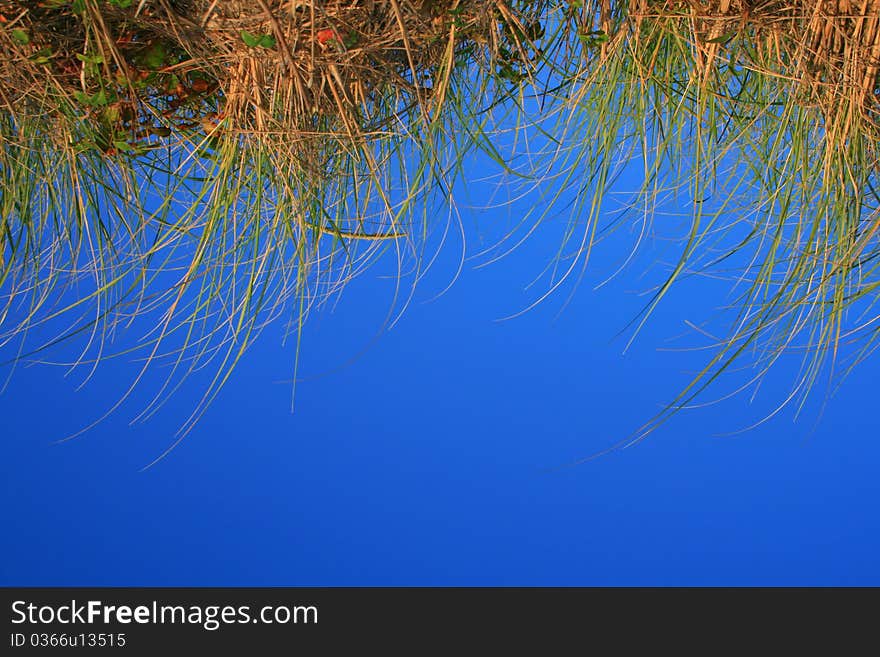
<point>83,97</point>
<point>97,100</point>
<point>90,59</point>
<point>257,40</point>
<point>42,56</point>
<point>111,113</point>
<point>724,38</point>
<point>250,40</point>
<point>20,37</point>
<point>351,40</point>
<point>593,38</point>
<point>155,57</point>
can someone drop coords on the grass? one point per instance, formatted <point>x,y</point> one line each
<point>219,166</point>
<point>763,119</point>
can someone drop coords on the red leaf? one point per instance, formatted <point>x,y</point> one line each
<point>323,36</point>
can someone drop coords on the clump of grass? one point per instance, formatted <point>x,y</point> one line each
<point>221,164</point>
<point>760,122</point>
<point>218,165</point>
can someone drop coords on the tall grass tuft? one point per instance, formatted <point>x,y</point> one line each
<point>218,165</point>
<point>762,120</point>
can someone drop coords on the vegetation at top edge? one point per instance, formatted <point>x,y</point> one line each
<point>221,165</point>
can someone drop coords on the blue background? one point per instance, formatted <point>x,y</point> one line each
<point>438,453</point>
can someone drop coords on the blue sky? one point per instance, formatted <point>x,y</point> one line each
<point>437,453</point>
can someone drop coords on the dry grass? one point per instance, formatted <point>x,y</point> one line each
<point>261,154</point>
<point>217,165</point>
<point>293,67</point>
